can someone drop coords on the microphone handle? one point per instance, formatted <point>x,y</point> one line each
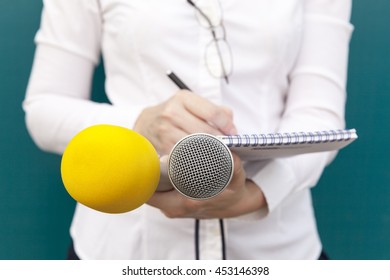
<point>165,183</point>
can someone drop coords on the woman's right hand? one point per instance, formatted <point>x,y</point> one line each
<point>183,114</point>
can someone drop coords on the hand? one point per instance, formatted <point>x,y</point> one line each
<point>240,197</point>
<point>184,113</point>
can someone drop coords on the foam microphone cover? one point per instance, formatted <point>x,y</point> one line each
<point>110,168</point>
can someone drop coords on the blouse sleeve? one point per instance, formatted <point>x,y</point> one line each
<point>57,102</point>
<point>316,98</point>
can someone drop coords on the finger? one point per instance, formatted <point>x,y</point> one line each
<point>176,114</point>
<point>229,112</point>
<point>192,123</point>
<point>212,114</point>
<point>239,174</point>
<point>170,203</point>
<point>169,138</point>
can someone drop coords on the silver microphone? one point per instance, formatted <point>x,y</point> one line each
<point>200,166</point>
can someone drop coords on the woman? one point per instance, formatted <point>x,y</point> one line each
<point>253,66</point>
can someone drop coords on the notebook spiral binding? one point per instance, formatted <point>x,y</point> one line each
<point>293,138</point>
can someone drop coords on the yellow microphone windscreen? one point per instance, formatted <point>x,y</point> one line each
<point>110,168</point>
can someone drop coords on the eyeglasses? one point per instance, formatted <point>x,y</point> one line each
<point>218,55</point>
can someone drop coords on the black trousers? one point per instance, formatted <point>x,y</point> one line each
<point>73,256</point>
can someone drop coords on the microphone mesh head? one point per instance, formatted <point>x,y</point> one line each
<point>200,166</point>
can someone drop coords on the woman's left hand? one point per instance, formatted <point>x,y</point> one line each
<point>240,197</point>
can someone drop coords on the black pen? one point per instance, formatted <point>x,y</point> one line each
<point>177,80</point>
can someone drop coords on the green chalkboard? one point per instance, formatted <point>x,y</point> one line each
<point>352,199</point>
<point>35,211</point>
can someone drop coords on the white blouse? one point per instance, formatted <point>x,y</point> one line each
<point>289,74</point>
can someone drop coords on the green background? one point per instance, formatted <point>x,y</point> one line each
<point>352,199</point>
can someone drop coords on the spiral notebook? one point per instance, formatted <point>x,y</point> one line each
<point>273,145</point>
